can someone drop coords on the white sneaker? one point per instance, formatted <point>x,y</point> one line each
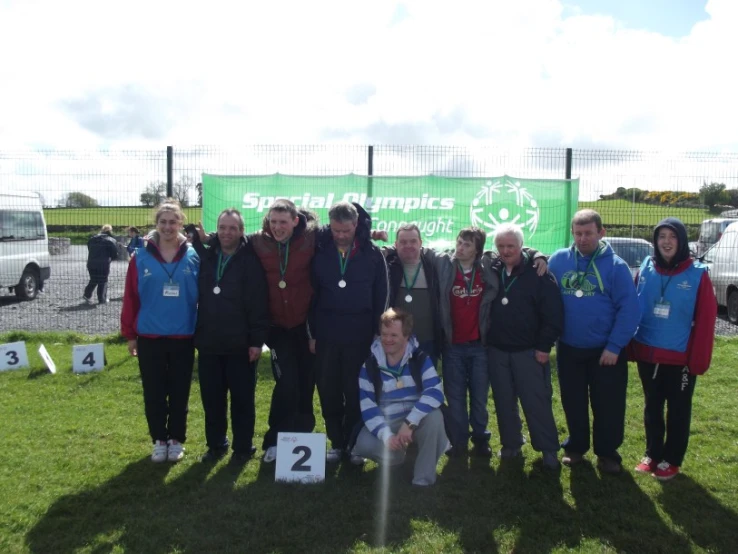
<point>160,452</point>
<point>270,455</point>
<point>176,451</point>
<point>88,300</point>
<point>333,455</point>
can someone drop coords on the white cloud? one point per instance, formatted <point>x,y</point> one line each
<point>81,74</point>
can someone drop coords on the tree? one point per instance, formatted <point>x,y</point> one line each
<point>153,194</point>
<point>181,190</point>
<point>713,194</point>
<point>77,200</point>
<point>198,188</point>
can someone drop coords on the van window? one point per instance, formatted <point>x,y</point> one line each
<point>710,231</point>
<point>20,225</point>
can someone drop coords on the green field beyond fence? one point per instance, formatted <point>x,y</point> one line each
<point>622,218</point>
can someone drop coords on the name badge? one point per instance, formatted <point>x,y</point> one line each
<point>661,309</point>
<point>171,289</point>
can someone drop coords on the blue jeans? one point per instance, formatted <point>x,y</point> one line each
<point>465,367</point>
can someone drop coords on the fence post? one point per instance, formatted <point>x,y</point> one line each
<point>170,168</point>
<point>568,163</point>
<point>370,172</point>
<point>568,186</point>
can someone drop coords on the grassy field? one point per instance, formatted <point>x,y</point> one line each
<point>76,477</point>
<point>621,212</point>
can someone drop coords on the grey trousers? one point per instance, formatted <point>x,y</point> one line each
<point>516,375</point>
<point>430,437</point>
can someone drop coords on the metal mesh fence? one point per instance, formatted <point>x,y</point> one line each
<point>83,190</point>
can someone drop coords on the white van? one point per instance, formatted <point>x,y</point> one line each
<point>710,232</point>
<point>722,260</point>
<point>24,245</point>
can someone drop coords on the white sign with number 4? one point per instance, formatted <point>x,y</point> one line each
<point>13,355</point>
<point>300,457</point>
<point>88,357</point>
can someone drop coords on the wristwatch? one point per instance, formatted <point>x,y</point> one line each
<point>411,425</point>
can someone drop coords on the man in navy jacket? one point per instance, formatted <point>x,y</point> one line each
<point>350,286</point>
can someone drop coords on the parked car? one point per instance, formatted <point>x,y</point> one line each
<point>722,261</point>
<point>24,245</point>
<point>710,232</point>
<point>633,251</point>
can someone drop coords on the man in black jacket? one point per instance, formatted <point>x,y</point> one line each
<point>232,326</point>
<point>102,249</point>
<point>526,319</point>
<point>349,277</point>
<point>413,283</point>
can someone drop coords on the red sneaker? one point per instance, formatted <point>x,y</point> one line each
<point>647,465</point>
<point>665,471</point>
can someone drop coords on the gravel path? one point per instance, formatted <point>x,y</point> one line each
<point>61,308</point>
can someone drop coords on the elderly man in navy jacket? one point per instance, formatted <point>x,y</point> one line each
<point>350,294</point>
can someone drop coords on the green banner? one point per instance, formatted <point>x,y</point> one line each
<point>440,206</point>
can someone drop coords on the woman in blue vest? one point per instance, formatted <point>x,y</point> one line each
<point>673,344</point>
<point>158,319</point>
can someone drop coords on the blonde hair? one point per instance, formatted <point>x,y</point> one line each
<point>169,205</point>
<point>107,228</point>
<point>395,314</point>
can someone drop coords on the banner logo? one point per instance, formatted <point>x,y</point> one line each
<point>505,201</point>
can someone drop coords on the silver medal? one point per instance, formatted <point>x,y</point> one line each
<point>505,301</point>
<point>409,298</point>
<point>216,289</point>
<point>282,284</point>
<point>342,284</point>
<point>579,293</point>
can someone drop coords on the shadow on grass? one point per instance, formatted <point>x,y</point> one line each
<point>717,528</point>
<point>472,508</point>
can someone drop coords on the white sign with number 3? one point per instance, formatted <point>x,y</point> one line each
<point>88,357</point>
<point>300,457</point>
<point>13,355</point>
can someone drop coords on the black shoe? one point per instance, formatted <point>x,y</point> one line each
<point>482,450</point>
<point>240,458</point>
<point>457,452</point>
<point>213,456</point>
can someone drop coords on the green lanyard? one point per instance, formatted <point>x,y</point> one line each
<point>470,282</point>
<point>417,272</point>
<point>283,268</point>
<point>503,273</point>
<point>221,266</point>
<point>581,277</point>
<point>343,262</point>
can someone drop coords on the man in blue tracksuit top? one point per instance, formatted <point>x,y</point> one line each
<point>601,315</point>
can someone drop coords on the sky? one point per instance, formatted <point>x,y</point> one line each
<point>653,75</point>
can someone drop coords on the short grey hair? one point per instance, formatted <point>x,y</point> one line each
<point>509,229</point>
<point>343,212</point>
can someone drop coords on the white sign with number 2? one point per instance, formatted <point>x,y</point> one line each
<point>300,457</point>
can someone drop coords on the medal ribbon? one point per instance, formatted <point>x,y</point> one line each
<point>470,282</point>
<point>503,274</point>
<point>343,262</point>
<point>581,277</point>
<point>221,267</point>
<point>283,268</point>
<point>409,287</point>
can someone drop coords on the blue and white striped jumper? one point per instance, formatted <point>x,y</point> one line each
<point>397,402</point>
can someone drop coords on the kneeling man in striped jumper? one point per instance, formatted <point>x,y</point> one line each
<point>401,394</point>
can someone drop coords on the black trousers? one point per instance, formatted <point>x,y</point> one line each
<point>293,367</point>
<point>338,366</point>
<point>582,381</point>
<point>671,387</point>
<point>99,272</point>
<point>166,376</point>
<point>220,373</point>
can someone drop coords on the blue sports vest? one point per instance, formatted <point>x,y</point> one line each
<point>670,333</point>
<point>161,315</point>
